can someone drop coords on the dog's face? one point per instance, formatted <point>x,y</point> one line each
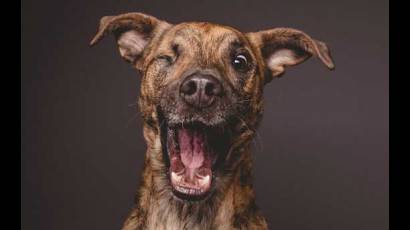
<point>201,92</point>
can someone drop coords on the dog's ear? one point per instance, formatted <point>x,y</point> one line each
<point>133,32</point>
<point>282,47</point>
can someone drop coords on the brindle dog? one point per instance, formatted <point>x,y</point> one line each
<point>201,101</point>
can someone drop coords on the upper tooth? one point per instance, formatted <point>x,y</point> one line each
<point>176,177</point>
<point>204,180</point>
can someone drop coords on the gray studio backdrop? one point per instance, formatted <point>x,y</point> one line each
<point>321,156</point>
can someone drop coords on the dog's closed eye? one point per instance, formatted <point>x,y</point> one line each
<point>167,58</point>
<point>170,57</point>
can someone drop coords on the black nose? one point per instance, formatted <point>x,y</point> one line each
<point>200,90</point>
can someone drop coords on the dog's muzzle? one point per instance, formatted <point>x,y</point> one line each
<point>196,115</point>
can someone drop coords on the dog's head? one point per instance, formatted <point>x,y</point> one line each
<point>201,91</point>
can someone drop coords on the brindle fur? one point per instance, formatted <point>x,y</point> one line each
<point>201,45</point>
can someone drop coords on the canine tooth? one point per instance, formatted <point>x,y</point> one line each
<point>176,177</point>
<point>181,189</point>
<point>204,180</point>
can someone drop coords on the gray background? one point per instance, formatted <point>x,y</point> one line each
<point>321,156</point>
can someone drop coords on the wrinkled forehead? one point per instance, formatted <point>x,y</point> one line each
<point>203,37</point>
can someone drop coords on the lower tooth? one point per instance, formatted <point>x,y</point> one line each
<point>190,191</point>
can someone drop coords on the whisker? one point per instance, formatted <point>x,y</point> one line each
<point>162,123</point>
<point>245,100</point>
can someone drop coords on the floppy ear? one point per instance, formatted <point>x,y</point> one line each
<point>282,47</point>
<point>133,32</point>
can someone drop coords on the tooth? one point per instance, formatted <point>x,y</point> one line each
<point>204,181</point>
<point>176,177</point>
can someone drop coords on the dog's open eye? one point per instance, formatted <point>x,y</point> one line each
<point>240,63</point>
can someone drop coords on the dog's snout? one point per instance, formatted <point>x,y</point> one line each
<point>200,90</point>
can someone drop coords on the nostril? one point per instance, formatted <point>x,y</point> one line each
<point>189,88</point>
<point>209,89</point>
<point>213,89</point>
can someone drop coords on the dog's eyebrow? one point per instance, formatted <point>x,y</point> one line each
<point>236,44</point>
<point>239,45</point>
<point>230,41</point>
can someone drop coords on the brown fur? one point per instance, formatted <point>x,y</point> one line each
<point>145,42</point>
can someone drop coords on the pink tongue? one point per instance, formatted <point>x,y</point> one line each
<point>191,145</point>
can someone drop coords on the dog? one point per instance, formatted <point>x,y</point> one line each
<point>201,101</point>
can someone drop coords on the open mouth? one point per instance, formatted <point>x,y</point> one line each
<point>194,152</point>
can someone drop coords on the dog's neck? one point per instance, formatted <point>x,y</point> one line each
<point>230,206</point>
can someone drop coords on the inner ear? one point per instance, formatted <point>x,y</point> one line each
<point>133,32</point>
<point>278,58</point>
<point>131,44</point>
<point>283,47</point>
